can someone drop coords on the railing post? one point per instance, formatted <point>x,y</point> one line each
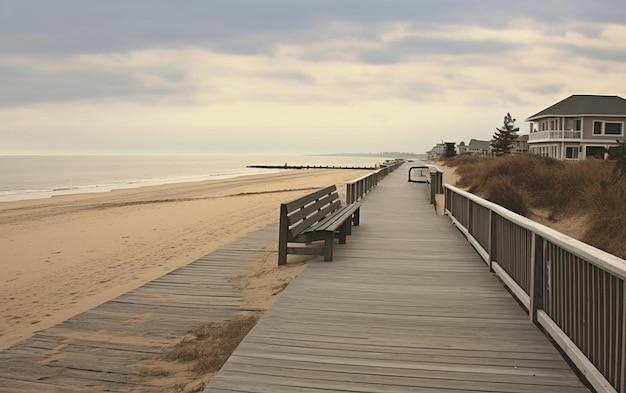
<point>433,190</point>
<point>492,238</point>
<point>537,280</point>
<point>623,370</point>
<point>468,216</point>
<point>348,196</point>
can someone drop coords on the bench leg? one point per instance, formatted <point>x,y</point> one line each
<point>343,232</point>
<point>282,254</point>
<point>283,235</point>
<point>329,239</point>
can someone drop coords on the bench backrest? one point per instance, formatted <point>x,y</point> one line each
<point>301,213</point>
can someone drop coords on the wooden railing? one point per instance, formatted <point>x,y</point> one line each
<point>434,184</point>
<point>573,291</point>
<point>358,188</point>
<point>432,176</point>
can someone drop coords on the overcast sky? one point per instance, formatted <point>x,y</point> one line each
<point>292,76</point>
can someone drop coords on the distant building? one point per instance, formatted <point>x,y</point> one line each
<point>437,151</point>
<point>461,148</point>
<point>476,146</point>
<point>520,145</point>
<point>578,127</point>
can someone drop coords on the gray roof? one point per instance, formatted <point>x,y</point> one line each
<point>479,145</point>
<point>585,105</point>
<point>522,138</point>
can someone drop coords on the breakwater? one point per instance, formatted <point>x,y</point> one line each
<point>286,166</point>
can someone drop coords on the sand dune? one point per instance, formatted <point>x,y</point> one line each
<point>65,255</point>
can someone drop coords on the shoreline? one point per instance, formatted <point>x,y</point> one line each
<point>41,177</point>
<point>104,188</point>
<point>68,254</point>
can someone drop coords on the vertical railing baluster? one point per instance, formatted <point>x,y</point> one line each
<point>493,243</point>
<point>622,317</point>
<point>537,277</point>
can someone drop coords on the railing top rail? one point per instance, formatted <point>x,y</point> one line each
<point>434,168</point>
<point>602,259</point>
<point>363,177</point>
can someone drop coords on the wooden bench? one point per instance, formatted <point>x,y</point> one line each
<point>315,217</point>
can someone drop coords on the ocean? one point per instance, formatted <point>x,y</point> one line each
<point>34,177</point>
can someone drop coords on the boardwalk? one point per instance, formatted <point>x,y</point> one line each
<point>101,349</point>
<point>407,306</point>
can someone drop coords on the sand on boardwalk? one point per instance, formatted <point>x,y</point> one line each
<point>65,255</point>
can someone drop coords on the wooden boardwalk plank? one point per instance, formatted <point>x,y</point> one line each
<point>406,306</point>
<point>99,350</point>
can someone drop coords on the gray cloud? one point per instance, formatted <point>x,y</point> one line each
<point>297,77</point>
<point>20,86</point>
<point>240,26</point>
<point>398,51</point>
<point>573,51</point>
<point>546,89</point>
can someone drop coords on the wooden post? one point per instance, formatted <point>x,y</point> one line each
<point>433,190</point>
<point>329,239</point>
<point>537,282</point>
<point>283,230</point>
<point>623,355</point>
<point>492,239</point>
<point>356,217</point>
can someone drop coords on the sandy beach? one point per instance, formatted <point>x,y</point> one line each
<point>65,255</point>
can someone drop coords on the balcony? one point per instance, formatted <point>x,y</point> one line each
<point>554,135</point>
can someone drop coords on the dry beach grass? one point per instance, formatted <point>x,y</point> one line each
<point>583,199</point>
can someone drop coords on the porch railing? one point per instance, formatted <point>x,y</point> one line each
<point>574,291</point>
<point>554,134</point>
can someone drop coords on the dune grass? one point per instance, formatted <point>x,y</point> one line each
<point>208,347</point>
<point>188,365</point>
<point>594,189</point>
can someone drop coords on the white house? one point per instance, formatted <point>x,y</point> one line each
<point>437,151</point>
<point>578,127</point>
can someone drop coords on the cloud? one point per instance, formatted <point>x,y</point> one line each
<point>227,75</point>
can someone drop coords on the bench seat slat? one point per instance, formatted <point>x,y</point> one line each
<point>307,222</point>
<point>332,222</point>
<point>305,211</point>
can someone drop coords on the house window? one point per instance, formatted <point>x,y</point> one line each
<point>552,125</point>
<point>571,152</point>
<point>597,128</point>
<point>594,152</point>
<point>612,128</point>
<point>608,128</point>
<point>578,125</point>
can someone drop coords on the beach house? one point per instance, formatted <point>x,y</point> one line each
<point>478,147</point>
<point>437,151</point>
<point>520,145</point>
<point>578,127</point>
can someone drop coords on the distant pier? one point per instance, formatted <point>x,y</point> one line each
<point>311,167</point>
